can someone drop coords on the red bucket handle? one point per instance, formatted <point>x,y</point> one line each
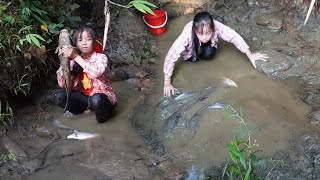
<point>156,27</point>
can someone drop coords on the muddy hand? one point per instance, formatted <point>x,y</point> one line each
<point>257,56</point>
<point>169,89</point>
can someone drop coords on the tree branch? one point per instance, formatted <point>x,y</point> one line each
<point>106,25</point>
<point>119,4</point>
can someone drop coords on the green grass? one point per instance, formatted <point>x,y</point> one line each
<point>243,163</point>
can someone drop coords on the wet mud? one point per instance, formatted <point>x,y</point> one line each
<point>184,137</point>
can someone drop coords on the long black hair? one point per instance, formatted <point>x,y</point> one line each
<point>77,69</point>
<point>79,32</point>
<point>199,21</point>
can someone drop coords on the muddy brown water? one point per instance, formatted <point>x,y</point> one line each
<point>275,104</point>
<point>263,100</point>
<point>110,155</point>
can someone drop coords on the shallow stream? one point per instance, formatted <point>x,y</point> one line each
<point>275,104</point>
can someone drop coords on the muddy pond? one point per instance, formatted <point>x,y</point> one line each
<point>272,103</point>
<point>117,152</point>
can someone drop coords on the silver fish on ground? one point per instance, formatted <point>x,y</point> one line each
<point>64,39</point>
<point>172,121</point>
<point>218,106</point>
<point>81,135</point>
<point>229,82</point>
<point>176,109</point>
<point>170,105</point>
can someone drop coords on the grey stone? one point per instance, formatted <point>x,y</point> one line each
<point>275,24</point>
<point>252,2</point>
<point>314,117</point>
<point>13,147</point>
<point>45,132</point>
<point>276,63</point>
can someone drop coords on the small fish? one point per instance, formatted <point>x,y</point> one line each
<point>172,121</point>
<point>217,106</point>
<point>64,39</point>
<point>81,135</point>
<point>59,125</point>
<point>184,96</point>
<point>229,82</point>
<point>194,120</point>
<point>175,110</point>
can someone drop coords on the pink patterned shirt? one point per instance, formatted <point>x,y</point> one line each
<point>184,44</point>
<point>97,70</point>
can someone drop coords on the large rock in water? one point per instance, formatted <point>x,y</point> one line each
<point>277,62</point>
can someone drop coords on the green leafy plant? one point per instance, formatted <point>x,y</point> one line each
<point>11,157</point>
<point>3,116</point>
<point>8,157</point>
<point>244,164</point>
<point>26,37</point>
<point>140,5</point>
<point>20,85</point>
<point>5,18</point>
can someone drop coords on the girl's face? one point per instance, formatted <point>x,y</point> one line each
<point>85,43</point>
<point>204,34</point>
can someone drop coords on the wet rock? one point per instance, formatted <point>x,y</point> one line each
<point>313,99</point>
<point>301,160</point>
<point>13,147</point>
<point>177,9</point>
<point>276,63</point>
<point>252,2</point>
<point>300,66</point>
<point>118,75</point>
<point>291,43</point>
<point>243,16</point>
<point>263,20</point>
<point>273,21</point>
<point>311,36</point>
<point>140,74</point>
<point>182,7</point>
<point>314,117</point>
<point>29,167</point>
<point>312,77</point>
<point>316,159</point>
<point>45,132</point>
<point>133,81</point>
<point>275,24</point>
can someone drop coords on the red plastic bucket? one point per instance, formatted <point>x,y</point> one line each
<point>98,46</point>
<point>156,24</point>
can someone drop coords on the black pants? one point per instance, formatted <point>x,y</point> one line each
<point>79,102</point>
<point>206,52</point>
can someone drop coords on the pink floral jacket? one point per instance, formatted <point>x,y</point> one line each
<point>97,70</point>
<point>184,44</point>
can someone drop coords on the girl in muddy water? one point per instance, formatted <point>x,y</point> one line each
<point>198,40</point>
<point>91,88</point>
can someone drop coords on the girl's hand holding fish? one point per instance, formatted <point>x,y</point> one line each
<point>69,51</point>
<point>84,77</point>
